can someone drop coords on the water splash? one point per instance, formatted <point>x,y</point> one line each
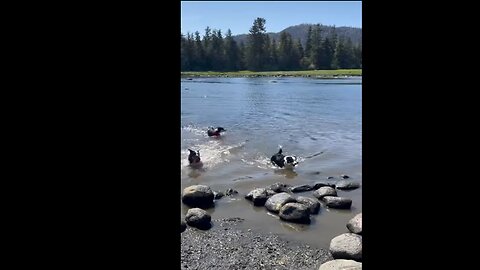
<point>195,130</point>
<point>213,153</point>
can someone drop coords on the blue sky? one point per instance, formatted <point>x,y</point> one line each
<point>239,15</point>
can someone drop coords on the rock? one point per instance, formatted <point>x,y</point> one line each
<point>279,187</point>
<point>312,204</point>
<point>344,184</point>
<point>337,202</point>
<point>324,191</point>
<point>347,246</point>
<point>274,203</point>
<point>198,218</point>
<point>183,226</point>
<point>344,176</point>
<point>341,264</point>
<point>295,212</point>
<point>218,195</point>
<point>301,188</point>
<point>230,192</point>
<point>198,196</point>
<point>258,196</point>
<point>323,184</point>
<point>330,177</point>
<point>355,224</point>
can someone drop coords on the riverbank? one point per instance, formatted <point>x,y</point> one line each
<point>226,246</point>
<point>323,74</point>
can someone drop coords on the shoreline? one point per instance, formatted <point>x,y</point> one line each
<point>226,246</point>
<point>320,74</point>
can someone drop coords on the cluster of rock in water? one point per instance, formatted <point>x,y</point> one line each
<point>278,198</point>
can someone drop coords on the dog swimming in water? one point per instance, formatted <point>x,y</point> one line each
<point>194,159</point>
<point>215,132</point>
<point>282,161</point>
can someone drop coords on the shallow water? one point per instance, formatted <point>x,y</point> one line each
<point>318,120</point>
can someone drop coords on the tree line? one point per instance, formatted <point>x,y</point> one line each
<point>214,52</point>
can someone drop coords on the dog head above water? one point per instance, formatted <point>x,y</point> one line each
<point>215,131</point>
<point>194,158</point>
<point>282,161</point>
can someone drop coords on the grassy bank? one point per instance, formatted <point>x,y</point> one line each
<point>303,73</point>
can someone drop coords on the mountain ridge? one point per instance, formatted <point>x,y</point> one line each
<point>300,32</point>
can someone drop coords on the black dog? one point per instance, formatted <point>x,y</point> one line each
<point>194,158</point>
<point>215,131</point>
<point>283,161</point>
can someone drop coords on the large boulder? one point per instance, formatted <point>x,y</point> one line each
<point>312,204</point>
<point>258,196</point>
<point>198,218</point>
<point>295,212</point>
<point>301,188</point>
<point>355,224</point>
<point>347,185</point>
<point>337,202</point>
<point>324,191</point>
<point>347,246</point>
<point>341,264</point>
<point>274,203</point>
<point>198,196</point>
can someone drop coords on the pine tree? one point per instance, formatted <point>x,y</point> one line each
<point>308,44</point>
<point>268,64</point>
<point>274,55</point>
<point>256,54</point>
<point>207,38</point>
<point>341,54</point>
<point>243,56</point>
<point>344,54</point>
<point>187,48</point>
<point>284,51</point>
<point>288,53</point>
<point>199,53</point>
<point>294,61</point>
<point>357,51</point>
<point>217,51</point>
<point>232,53</point>
<point>327,54</point>
<point>316,49</point>
<point>299,47</point>
<point>183,55</point>
<point>332,49</point>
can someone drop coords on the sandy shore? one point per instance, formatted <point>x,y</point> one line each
<point>225,246</point>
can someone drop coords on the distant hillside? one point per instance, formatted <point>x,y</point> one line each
<point>300,31</point>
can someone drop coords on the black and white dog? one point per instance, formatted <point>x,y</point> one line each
<point>194,159</point>
<point>282,161</point>
<point>215,131</point>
